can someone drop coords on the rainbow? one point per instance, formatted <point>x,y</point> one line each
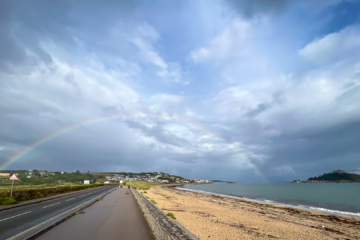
<point>27,149</point>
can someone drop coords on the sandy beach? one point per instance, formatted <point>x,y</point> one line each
<point>215,217</point>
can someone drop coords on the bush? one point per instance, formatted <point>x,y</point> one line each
<point>153,201</point>
<point>7,201</point>
<point>33,193</point>
<point>171,215</point>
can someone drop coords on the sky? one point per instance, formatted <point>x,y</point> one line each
<point>262,90</point>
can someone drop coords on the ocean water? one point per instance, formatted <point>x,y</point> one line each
<point>339,199</point>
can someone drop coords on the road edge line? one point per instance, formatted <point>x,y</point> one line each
<point>52,225</point>
<point>40,200</point>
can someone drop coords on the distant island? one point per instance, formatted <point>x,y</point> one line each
<point>336,176</point>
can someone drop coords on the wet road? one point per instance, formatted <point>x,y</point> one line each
<point>117,216</point>
<point>16,220</point>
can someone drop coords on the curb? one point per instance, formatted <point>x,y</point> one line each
<point>38,230</point>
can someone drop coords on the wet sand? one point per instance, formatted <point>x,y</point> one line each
<point>215,217</point>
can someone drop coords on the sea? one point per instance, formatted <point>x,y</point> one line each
<point>339,199</point>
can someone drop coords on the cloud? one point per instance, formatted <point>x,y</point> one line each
<point>334,47</point>
<point>249,9</point>
<point>253,94</point>
<point>228,43</point>
<point>159,133</point>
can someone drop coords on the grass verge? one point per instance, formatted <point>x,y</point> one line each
<point>171,215</point>
<point>142,185</point>
<point>34,193</point>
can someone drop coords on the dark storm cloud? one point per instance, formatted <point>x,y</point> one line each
<point>249,9</point>
<point>23,25</point>
<point>159,133</point>
<point>323,149</point>
<point>262,107</point>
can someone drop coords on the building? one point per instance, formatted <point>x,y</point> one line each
<point>338,171</point>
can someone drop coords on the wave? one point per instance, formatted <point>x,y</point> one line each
<point>304,207</point>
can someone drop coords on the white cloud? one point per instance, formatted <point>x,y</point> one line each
<point>334,47</point>
<point>169,71</point>
<point>229,43</point>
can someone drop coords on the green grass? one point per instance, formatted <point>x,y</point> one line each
<point>7,201</point>
<point>171,215</point>
<point>153,201</point>
<point>36,191</point>
<point>142,185</point>
<point>8,186</point>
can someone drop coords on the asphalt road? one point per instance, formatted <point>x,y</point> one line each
<point>116,216</point>
<point>16,220</point>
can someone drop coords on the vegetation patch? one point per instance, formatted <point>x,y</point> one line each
<point>142,185</point>
<point>153,201</point>
<point>7,201</point>
<point>171,215</point>
<point>34,193</point>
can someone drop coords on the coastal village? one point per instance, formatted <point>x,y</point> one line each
<point>150,177</point>
<point>96,177</point>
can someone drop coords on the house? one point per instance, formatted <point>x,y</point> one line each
<point>106,182</point>
<point>28,176</point>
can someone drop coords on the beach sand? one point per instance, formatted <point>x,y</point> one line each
<point>214,217</point>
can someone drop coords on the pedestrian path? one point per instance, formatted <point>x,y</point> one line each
<point>116,216</point>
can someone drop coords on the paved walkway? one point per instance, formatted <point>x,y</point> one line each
<point>117,216</point>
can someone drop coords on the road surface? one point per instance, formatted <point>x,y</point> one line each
<point>20,220</point>
<point>116,216</point>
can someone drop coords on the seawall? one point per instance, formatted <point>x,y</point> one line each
<point>164,227</point>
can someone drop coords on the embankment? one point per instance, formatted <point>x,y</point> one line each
<point>163,226</point>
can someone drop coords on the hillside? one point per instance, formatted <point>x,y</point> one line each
<point>337,177</point>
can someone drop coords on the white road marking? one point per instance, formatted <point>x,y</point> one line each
<point>14,216</point>
<point>22,233</point>
<point>69,199</point>
<point>51,205</point>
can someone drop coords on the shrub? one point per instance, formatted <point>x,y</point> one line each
<point>171,215</point>
<point>33,193</point>
<point>153,201</point>
<point>7,201</point>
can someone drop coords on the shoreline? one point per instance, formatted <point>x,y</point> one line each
<point>220,217</point>
<point>271,202</point>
